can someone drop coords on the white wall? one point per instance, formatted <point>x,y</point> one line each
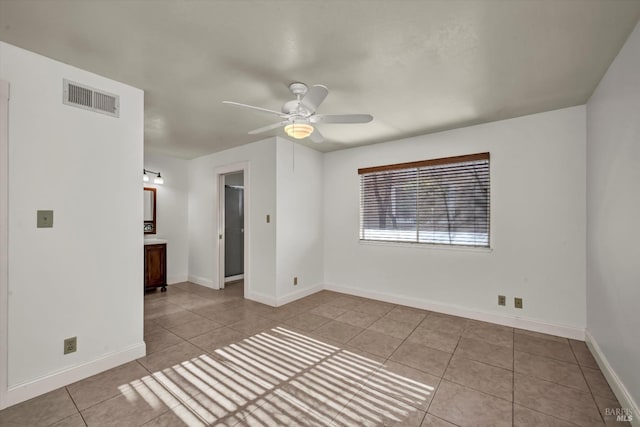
<point>299,237</point>
<point>171,215</point>
<point>203,216</point>
<point>613,212</point>
<point>537,226</point>
<point>83,277</point>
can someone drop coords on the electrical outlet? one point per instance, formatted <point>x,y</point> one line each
<point>295,281</point>
<point>45,219</point>
<point>70,345</point>
<point>502,300</point>
<point>517,302</point>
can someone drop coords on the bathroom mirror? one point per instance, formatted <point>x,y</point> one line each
<point>149,210</point>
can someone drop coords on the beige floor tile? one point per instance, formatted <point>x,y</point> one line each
<point>583,354</point>
<point>177,417</point>
<point>134,408</point>
<point>104,385</point>
<point>488,332</point>
<point>285,312</point>
<point>338,331</point>
<point>355,318</point>
<point>598,383</point>
<point>433,421</point>
<point>219,405</point>
<point>217,338</point>
<point>151,326</point>
<point>409,315</point>
<point>307,321</point>
<point>372,408</point>
<point>40,411</point>
<point>349,366</point>
<point>176,319</point>
<point>194,328</point>
<point>170,356</point>
<point>481,351</point>
<point>609,409</point>
<point>466,407</point>
<point>552,370</point>
<point>191,301</point>
<point>480,376</point>
<point>393,328</point>
<point>235,315</point>
<point>328,310</point>
<point>152,312</point>
<point>540,335</point>
<point>213,309</point>
<point>452,325</point>
<point>377,308</point>
<point>525,417</point>
<point>434,339</point>
<point>556,400</point>
<point>544,347</point>
<point>284,409</point>
<point>366,356</point>
<point>317,397</point>
<point>347,302</point>
<point>257,308</point>
<point>160,339</point>
<point>421,357</point>
<point>72,421</point>
<point>291,366</point>
<point>322,297</point>
<point>252,325</point>
<point>375,343</point>
<point>408,385</point>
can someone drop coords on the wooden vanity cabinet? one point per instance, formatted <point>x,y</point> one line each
<point>155,266</point>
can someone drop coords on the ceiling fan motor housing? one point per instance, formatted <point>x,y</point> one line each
<point>298,88</point>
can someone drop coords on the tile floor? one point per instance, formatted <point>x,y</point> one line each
<point>328,360</point>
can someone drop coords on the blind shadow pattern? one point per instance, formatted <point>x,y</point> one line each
<point>440,201</point>
<point>281,377</point>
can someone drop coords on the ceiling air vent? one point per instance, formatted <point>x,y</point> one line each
<point>86,97</point>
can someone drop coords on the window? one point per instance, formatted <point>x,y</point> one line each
<point>440,201</point>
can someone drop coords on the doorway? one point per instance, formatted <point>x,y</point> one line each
<point>233,228</point>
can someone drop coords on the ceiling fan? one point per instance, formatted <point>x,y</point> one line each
<point>299,115</point>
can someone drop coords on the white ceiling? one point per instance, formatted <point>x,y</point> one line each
<point>416,66</point>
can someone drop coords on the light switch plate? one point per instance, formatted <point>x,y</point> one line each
<point>45,219</point>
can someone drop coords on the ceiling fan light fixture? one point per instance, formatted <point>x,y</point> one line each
<point>298,130</point>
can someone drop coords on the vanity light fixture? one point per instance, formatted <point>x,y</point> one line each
<point>157,180</point>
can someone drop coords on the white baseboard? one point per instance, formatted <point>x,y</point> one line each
<point>203,281</point>
<point>32,388</point>
<point>617,386</point>
<point>300,293</point>
<point>514,322</point>
<point>172,280</point>
<point>233,278</point>
<point>261,298</point>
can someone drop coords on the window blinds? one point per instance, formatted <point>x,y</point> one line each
<point>438,201</point>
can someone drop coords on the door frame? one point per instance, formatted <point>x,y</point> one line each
<point>220,173</point>
<point>4,243</point>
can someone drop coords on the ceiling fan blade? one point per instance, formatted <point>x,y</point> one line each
<point>314,97</point>
<point>316,136</point>
<point>266,128</point>
<point>251,107</point>
<point>341,118</point>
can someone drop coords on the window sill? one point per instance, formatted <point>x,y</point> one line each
<point>428,246</point>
